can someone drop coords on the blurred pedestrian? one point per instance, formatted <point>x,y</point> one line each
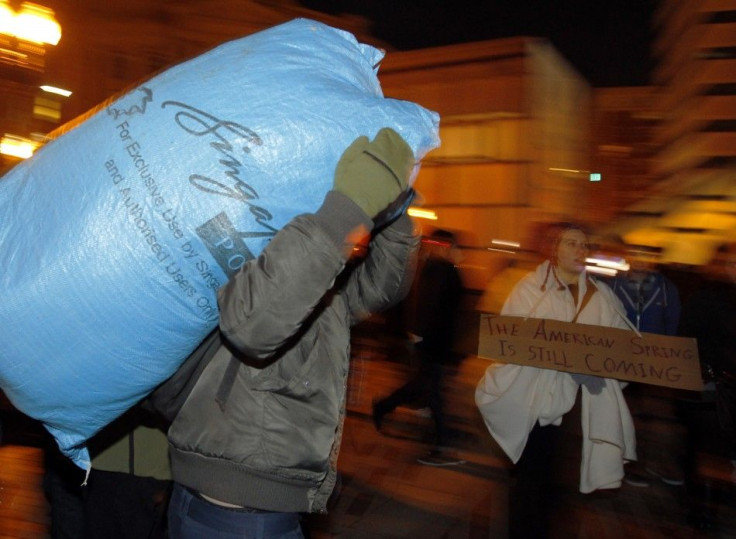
<point>524,406</point>
<point>709,315</point>
<point>437,305</point>
<point>652,303</point>
<point>256,441</point>
<point>62,487</point>
<point>128,489</point>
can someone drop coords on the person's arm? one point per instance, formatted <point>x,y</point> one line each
<point>385,276</point>
<point>264,305</point>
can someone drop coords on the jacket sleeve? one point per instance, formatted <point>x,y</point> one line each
<point>267,301</point>
<point>385,276</point>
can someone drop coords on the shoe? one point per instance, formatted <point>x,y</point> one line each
<point>636,475</point>
<point>636,480</point>
<point>672,479</point>
<point>436,458</point>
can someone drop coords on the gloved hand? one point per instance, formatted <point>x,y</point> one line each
<point>394,210</point>
<point>595,384</point>
<point>374,173</point>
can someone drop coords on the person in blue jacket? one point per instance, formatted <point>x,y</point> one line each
<point>652,303</point>
<point>651,299</point>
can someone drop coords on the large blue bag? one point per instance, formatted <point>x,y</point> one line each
<point>116,235</point>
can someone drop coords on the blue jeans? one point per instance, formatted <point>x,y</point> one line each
<point>191,517</point>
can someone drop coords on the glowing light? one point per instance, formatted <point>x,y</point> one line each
<point>422,214</point>
<point>32,23</point>
<point>7,18</point>
<point>572,170</point>
<point>601,271</point>
<point>615,263</point>
<point>55,90</point>
<point>506,243</point>
<point>17,146</point>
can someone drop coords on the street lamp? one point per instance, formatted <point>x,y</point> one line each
<point>17,147</point>
<point>33,23</point>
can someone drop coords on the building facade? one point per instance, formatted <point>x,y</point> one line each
<point>515,127</point>
<point>689,211</point>
<point>515,116</point>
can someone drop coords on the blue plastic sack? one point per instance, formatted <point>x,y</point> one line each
<point>116,235</point>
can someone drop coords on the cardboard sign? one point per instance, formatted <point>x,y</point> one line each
<point>600,351</point>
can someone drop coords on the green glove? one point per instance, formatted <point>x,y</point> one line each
<point>374,173</point>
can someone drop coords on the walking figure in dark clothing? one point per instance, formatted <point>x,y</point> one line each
<point>437,302</point>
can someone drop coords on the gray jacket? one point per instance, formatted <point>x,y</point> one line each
<point>261,427</point>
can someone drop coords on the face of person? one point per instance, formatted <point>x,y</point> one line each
<point>571,253</point>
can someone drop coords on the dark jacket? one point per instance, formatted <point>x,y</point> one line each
<point>262,425</point>
<point>709,315</point>
<point>439,290</point>
<point>652,305</point>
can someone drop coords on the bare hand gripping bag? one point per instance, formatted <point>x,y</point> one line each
<point>116,235</point>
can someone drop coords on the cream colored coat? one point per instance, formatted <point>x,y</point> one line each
<point>513,398</point>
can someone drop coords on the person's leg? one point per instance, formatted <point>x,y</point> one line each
<point>702,425</point>
<point>531,489</point>
<point>62,485</point>
<point>436,402</point>
<point>124,506</point>
<point>410,392</point>
<point>441,453</point>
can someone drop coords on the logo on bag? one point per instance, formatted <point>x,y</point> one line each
<point>230,141</point>
<point>226,244</point>
<point>138,107</point>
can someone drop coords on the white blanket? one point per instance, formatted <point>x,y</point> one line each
<point>512,399</point>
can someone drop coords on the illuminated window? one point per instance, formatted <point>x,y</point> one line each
<point>47,109</point>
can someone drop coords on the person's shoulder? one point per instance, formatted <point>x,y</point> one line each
<point>528,285</point>
<point>529,279</point>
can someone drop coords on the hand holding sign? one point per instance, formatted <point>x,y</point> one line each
<point>594,384</point>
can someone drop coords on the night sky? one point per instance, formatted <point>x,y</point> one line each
<point>608,42</point>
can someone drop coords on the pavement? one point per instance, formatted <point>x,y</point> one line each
<point>385,493</point>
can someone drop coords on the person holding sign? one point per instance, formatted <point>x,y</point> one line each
<point>523,406</point>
